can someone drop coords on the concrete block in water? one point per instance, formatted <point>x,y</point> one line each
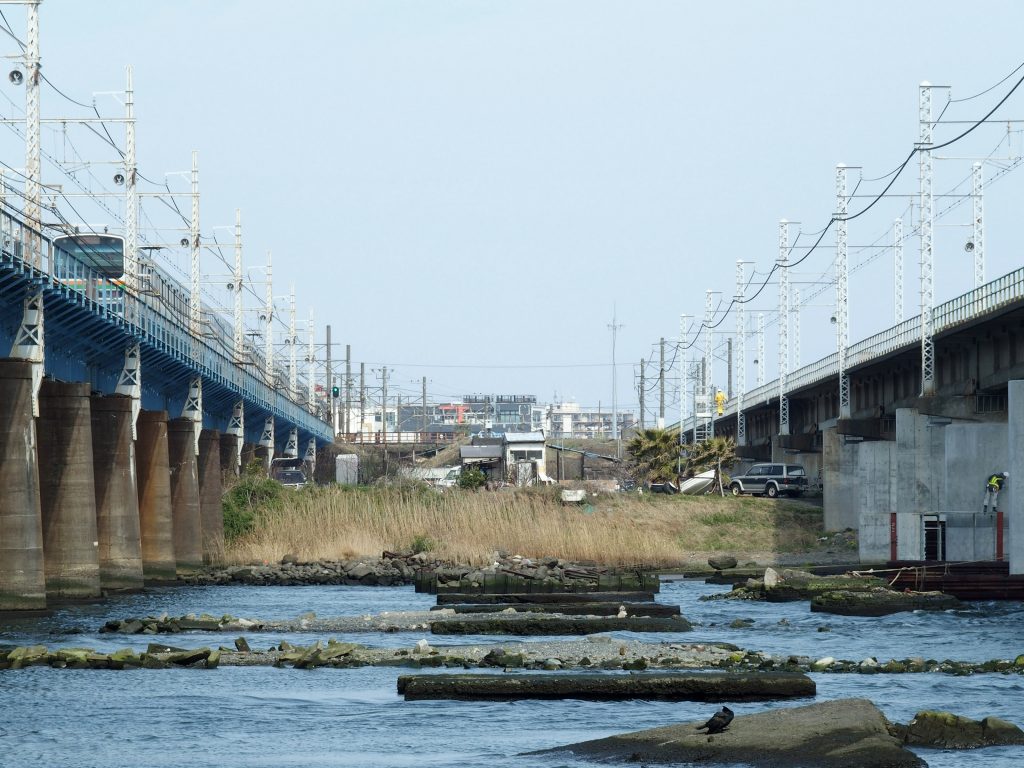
<point>690,686</point>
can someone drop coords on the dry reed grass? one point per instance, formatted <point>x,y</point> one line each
<point>468,527</point>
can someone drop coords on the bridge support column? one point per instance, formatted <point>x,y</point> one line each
<point>264,456</point>
<point>229,451</point>
<point>1012,504</point>
<point>210,510</point>
<point>67,492</point>
<point>248,455</point>
<point>185,511</point>
<point>22,573</point>
<point>155,522</point>
<point>117,494</point>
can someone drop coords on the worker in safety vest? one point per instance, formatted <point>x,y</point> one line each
<point>720,401</point>
<point>993,485</point>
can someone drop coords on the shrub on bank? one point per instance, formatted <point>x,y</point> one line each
<point>245,500</point>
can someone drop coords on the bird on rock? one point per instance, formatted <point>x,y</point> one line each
<point>719,721</point>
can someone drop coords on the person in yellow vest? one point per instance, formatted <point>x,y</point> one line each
<point>993,485</point>
<point>720,401</point>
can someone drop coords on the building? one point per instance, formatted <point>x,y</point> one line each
<point>571,421</point>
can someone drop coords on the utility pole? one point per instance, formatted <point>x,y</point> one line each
<point>362,399</point>
<point>384,408</point>
<point>661,387</point>
<point>897,251</point>
<point>641,392</point>
<point>330,384</point>
<point>741,353</point>
<point>927,254</point>
<point>783,264</point>
<point>978,237</point>
<point>614,327</point>
<point>425,424</point>
<point>131,202</point>
<point>728,367</point>
<point>398,416</point>
<point>842,291</point>
<point>348,390</point>
<point>33,178</point>
<point>195,298</point>
<point>236,288</point>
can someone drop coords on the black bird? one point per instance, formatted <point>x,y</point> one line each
<point>719,721</point>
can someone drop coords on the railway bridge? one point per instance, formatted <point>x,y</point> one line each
<point>120,407</point>
<point>907,471</point>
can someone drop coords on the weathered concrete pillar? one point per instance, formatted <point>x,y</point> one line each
<point>248,455</point>
<point>262,455</point>
<point>22,573</point>
<point>210,510</point>
<point>909,499</point>
<point>117,493</point>
<point>154,479</point>
<point>67,493</point>
<point>1011,499</point>
<point>229,456</point>
<point>185,512</point>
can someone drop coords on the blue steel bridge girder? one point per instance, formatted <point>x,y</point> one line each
<point>86,336</point>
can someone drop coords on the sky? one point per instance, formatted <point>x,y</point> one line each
<point>472,191</point>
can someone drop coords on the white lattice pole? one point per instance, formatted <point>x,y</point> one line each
<point>741,354</point>
<point>760,349</point>
<point>236,286</point>
<point>927,253</point>
<point>131,203</point>
<point>842,291</point>
<point>33,183</point>
<point>268,313</point>
<point>897,250</point>
<point>709,424</point>
<point>195,300</point>
<point>977,189</point>
<point>783,325</point>
<point>311,369</point>
<point>684,363</point>
<point>796,328</point>
<point>293,342</point>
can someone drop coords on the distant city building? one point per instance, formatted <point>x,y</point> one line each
<point>572,421</point>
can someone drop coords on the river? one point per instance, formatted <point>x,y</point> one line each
<point>248,717</point>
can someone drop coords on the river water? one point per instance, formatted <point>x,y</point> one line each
<point>266,717</point>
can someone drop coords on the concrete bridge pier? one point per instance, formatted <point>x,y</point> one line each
<point>154,480</point>
<point>22,572</point>
<point>229,454</point>
<point>248,455</point>
<point>210,510</point>
<point>67,492</point>
<point>1013,504</point>
<point>117,496</point>
<point>185,511</point>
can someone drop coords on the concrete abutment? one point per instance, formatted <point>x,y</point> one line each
<point>185,512</point>
<point>211,511</point>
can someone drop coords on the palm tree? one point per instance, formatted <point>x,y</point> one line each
<point>715,452</point>
<point>654,455</point>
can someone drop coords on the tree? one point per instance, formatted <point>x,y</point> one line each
<point>713,453</point>
<point>654,455</point>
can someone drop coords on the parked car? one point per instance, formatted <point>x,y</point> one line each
<point>770,480</point>
<point>291,478</point>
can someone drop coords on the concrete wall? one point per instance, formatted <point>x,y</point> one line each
<point>873,537</point>
<point>1013,505</point>
<point>920,468</point>
<point>973,452</point>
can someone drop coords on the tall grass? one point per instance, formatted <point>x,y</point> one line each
<point>468,527</point>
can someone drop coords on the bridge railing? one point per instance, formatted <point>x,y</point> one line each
<point>158,314</point>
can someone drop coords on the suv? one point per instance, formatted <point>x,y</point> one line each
<point>770,480</point>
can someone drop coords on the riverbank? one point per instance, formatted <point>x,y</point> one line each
<point>469,527</point>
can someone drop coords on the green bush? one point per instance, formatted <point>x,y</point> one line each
<point>421,543</point>
<point>472,478</point>
<point>251,495</point>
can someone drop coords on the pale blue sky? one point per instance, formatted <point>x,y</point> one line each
<point>471,183</point>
